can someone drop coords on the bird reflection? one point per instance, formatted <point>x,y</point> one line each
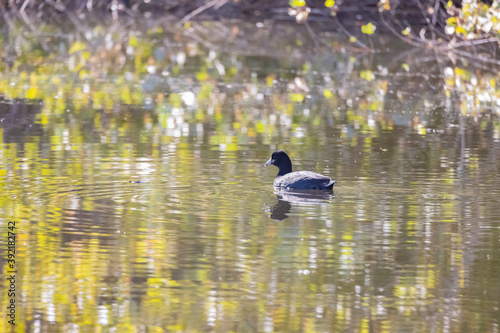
<point>285,198</point>
<point>280,210</point>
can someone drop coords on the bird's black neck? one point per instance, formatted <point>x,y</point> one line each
<point>285,167</point>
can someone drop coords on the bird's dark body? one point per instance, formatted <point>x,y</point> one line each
<point>304,180</point>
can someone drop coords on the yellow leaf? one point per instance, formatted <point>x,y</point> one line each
<point>422,131</point>
<point>367,75</point>
<point>82,74</point>
<point>296,3</point>
<point>270,80</point>
<point>329,3</point>
<point>352,39</point>
<point>460,30</point>
<point>368,28</point>
<point>31,93</point>
<point>78,67</point>
<point>132,41</point>
<point>77,46</point>
<point>328,94</point>
<point>202,76</point>
<point>296,97</point>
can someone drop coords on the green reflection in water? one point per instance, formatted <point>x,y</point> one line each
<point>408,241</point>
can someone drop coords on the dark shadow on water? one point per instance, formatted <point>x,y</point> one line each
<point>285,198</point>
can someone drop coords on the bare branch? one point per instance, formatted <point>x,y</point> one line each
<point>201,9</point>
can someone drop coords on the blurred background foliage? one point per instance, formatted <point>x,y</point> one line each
<point>144,59</point>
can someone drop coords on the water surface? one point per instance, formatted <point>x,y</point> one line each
<point>143,202</point>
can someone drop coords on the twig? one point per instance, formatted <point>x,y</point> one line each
<point>406,40</point>
<point>436,10</point>
<point>430,23</point>
<point>476,57</point>
<point>30,24</point>
<point>201,9</point>
<point>201,40</point>
<point>23,7</point>
<point>313,36</point>
<point>60,7</point>
<point>363,45</point>
<point>25,17</point>
<point>486,40</point>
<point>3,10</point>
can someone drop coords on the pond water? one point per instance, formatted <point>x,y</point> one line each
<point>143,204</point>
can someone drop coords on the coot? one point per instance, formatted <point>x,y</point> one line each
<point>301,180</point>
